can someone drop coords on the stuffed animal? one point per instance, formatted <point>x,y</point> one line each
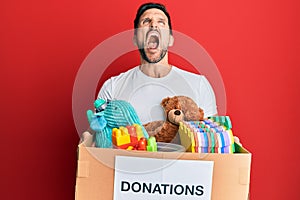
<point>112,114</point>
<point>177,109</point>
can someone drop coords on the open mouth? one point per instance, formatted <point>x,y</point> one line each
<point>153,40</point>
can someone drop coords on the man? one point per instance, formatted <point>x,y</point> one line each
<point>146,85</point>
<point>154,79</point>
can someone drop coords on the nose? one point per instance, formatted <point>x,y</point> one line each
<point>177,112</point>
<point>153,24</point>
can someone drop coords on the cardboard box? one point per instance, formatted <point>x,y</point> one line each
<point>95,172</point>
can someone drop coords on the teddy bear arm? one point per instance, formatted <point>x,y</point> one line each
<point>154,127</point>
<point>167,133</point>
<point>201,114</point>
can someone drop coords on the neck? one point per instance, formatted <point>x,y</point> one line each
<point>155,70</point>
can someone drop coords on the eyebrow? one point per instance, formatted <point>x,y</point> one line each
<point>160,18</point>
<point>142,19</point>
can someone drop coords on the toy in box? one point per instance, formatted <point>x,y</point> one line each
<point>213,135</point>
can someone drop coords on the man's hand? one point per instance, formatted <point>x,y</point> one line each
<point>85,136</point>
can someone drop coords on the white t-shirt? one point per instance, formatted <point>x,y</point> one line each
<point>146,93</point>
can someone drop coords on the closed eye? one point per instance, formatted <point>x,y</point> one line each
<point>146,21</point>
<point>162,22</point>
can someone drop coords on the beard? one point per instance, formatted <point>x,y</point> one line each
<point>153,60</point>
<point>151,48</point>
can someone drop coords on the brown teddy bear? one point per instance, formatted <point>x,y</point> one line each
<point>177,108</point>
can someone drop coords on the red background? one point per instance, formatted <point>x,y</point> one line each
<point>255,45</point>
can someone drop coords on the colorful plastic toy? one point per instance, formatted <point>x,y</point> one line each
<point>213,135</point>
<point>132,138</point>
<point>109,115</point>
<point>120,136</point>
<point>151,144</point>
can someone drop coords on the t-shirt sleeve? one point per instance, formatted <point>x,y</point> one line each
<point>208,99</point>
<point>106,91</point>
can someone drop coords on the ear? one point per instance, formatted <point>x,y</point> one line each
<point>171,41</point>
<point>164,102</point>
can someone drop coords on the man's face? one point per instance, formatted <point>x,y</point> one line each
<point>153,35</point>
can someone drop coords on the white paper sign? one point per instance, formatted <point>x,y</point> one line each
<point>154,179</point>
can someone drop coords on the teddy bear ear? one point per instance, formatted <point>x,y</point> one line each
<point>164,102</point>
